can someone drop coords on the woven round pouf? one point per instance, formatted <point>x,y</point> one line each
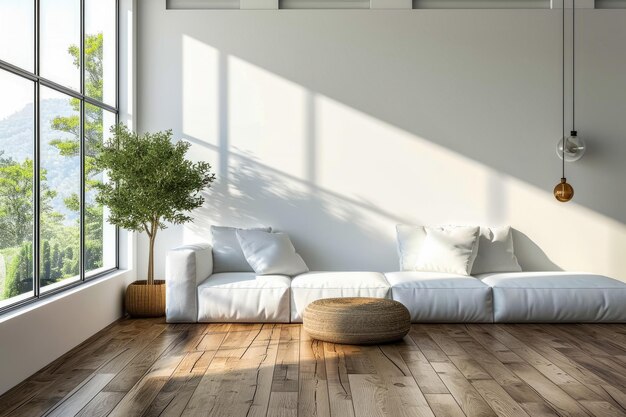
<point>356,320</point>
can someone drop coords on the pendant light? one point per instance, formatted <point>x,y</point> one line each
<point>571,148</point>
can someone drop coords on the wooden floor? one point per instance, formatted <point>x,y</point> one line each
<point>149,368</point>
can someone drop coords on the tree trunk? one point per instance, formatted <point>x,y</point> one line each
<point>152,236</point>
<point>151,262</point>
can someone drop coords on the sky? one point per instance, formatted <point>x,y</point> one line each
<point>60,28</point>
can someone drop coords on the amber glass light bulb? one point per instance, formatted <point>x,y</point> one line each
<point>563,191</point>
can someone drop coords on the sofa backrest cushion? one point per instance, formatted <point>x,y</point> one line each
<point>448,249</point>
<point>410,241</point>
<point>227,253</point>
<point>495,251</point>
<point>271,253</point>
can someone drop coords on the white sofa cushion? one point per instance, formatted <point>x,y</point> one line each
<point>244,297</point>
<point>270,253</point>
<point>312,286</point>
<point>495,251</point>
<point>227,253</point>
<point>437,297</point>
<point>448,249</point>
<point>556,297</point>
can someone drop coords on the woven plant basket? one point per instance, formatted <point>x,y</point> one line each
<point>143,300</point>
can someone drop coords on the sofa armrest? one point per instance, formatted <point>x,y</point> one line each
<point>185,268</point>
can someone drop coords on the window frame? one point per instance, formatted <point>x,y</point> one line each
<point>38,82</point>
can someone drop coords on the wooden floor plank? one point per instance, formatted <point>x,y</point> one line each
<point>24,392</point>
<point>423,372</point>
<point>283,404</point>
<point>444,405</point>
<point>81,396</point>
<point>427,345</point>
<point>446,342</point>
<point>339,392</point>
<point>53,394</point>
<point>285,377</point>
<point>390,396</point>
<point>499,400</point>
<point>386,360</point>
<point>602,409</point>
<point>469,367</point>
<point>462,390</point>
<point>101,405</point>
<point>551,393</point>
<point>357,360</point>
<point>490,363</point>
<point>313,397</point>
<point>265,374</point>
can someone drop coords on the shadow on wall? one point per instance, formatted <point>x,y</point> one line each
<point>530,256</point>
<point>321,224</point>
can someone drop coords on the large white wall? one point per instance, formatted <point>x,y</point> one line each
<point>335,125</point>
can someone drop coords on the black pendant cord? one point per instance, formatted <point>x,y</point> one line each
<point>563,91</point>
<point>574,65</point>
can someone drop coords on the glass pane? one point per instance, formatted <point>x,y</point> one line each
<point>60,189</point>
<point>16,188</point>
<point>60,41</point>
<point>100,239</point>
<point>100,55</point>
<point>17,33</point>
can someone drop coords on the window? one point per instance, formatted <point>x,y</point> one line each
<point>58,99</point>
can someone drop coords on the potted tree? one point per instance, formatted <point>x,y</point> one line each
<point>149,182</point>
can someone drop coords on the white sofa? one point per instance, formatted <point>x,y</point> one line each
<point>195,294</point>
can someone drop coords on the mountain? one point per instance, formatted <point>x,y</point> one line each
<point>16,140</point>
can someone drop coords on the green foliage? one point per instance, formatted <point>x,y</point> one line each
<point>20,272</point>
<point>93,114</point>
<point>46,266</point>
<point>56,267</point>
<point>70,267</point>
<point>93,237</point>
<point>16,222</point>
<point>150,181</point>
<point>16,195</point>
<point>16,201</point>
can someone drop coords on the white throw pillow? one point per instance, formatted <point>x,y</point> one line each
<point>227,254</point>
<point>495,251</point>
<point>410,240</point>
<point>270,253</point>
<point>451,249</point>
